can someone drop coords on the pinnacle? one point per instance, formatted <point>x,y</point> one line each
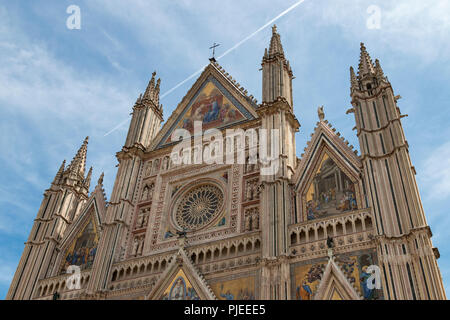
<point>365,63</point>
<point>152,91</point>
<point>353,80</point>
<point>100,179</point>
<point>60,172</point>
<point>87,181</point>
<point>275,43</point>
<point>150,87</point>
<point>78,165</point>
<point>378,70</point>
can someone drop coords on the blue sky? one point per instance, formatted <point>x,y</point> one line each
<point>59,85</point>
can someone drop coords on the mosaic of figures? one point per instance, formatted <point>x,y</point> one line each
<point>180,289</point>
<point>237,289</point>
<point>83,249</point>
<point>354,265</point>
<point>330,193</point>
<point>212,108</point>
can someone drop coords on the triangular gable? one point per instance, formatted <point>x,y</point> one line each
<point>79,243</point>
<point>181,281</point>
<point>334,285</point>
<point>213,99</point>
<point>327,179</point>
<point>325,135</point>
<point>180,288</point>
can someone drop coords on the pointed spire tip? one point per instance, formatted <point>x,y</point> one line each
<point>100,179</point>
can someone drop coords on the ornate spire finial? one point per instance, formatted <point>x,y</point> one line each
<point>365,63</point>
<point>275,43</point>
<point>158,83</point>
<point>87,181</point>
<point>100,179</point>
<point>60,172</point>
<point>152,91</point>
<point>78,165</point>
<point>320,113</point>
<point>139,99</point>
<point>353,80</point>
<point>378,70</point>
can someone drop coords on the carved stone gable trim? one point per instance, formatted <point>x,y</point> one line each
<point>180,260</point>
<point>334,280</point>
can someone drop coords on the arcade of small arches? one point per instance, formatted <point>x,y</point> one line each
<point>335,228</point>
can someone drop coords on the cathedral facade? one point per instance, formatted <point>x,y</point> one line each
<point>332,224</point>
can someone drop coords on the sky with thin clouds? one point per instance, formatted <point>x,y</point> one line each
<point>58,85</point>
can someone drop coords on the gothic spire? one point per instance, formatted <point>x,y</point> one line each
<point>353,80</point>
<point>152,92</point>
<point>139,99</point>
<point>366,66</point>
<point>78,165</point>
<point>378,70</point>
<point>275,43</point>
<point>87,181</point>
<point>100,179</point>
<point>277,72</point>
<point>59,173</point>
<point>156,95</point>
<point>150,87</point>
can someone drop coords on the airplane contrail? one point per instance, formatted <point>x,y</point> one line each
<point>221,56</point>
<point>264,26</point>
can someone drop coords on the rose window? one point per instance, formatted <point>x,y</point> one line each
<point>198,207</point>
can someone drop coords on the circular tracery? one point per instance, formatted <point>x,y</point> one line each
<point>198,207</point>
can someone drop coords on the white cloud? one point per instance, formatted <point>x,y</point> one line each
<point>48,106</point>
<point>413,27</point>
<point>6,273</point>
<point>42,94</point>
<point>435,173</point>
